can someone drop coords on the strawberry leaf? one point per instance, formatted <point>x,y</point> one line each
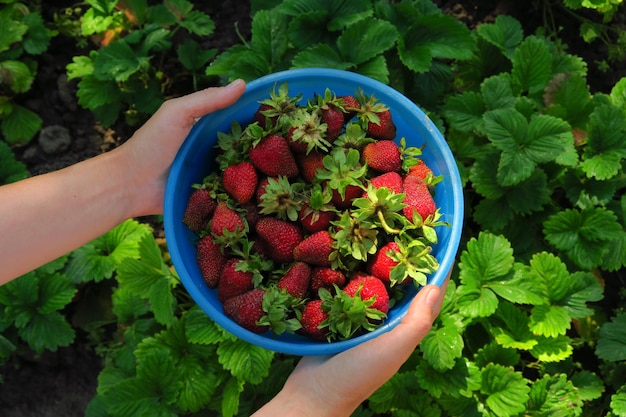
<point>515,333</point>
<point>245,361</point>
<point>443,345</point>
<point>505,33</point>
<point>612,339</point>
<point>605,148</point>
<point>374,35</point>
<point>532,65</point>
<point>552,349</point>
<point>506,390</point>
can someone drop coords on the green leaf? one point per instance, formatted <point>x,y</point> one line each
<point>464,111</point>
<point>582,234</point>
<point>515,333</point>
<point>525,144</point>
<point>118,61</point>
<point>517,288</point>
<point>476,302</point>
<point>21,125</point>
<point>11,170</point>
<point>375,68</point>
<point>532,65</point>
<point>375,37</point>
<point>463,377</point>
<point>443,346</point>
<point>98,259</point>
<point>247,362</point>
<point>55,293</point>
<point>198,23</point>
<point>151,279</point>
<point>94,93</point>
<point>12,31</point>
<point>555,395</point>
<point>612,339</point>
<point>618,402</point>
<point>497,92</point>
<point>605,145</point>
<point>270,37</point>
<point>505,33</point>
<point>17,75</point>
<point>192,56</point>
<point>47,332</point>
<point>486,258</point>
<point>553,349</point>
<point>550,321</point>
<point>199,328</point>
<point>506,390</point>
<point>231,396</point>
<point>434,36</point>
<point>588,385</point>
<point>571,94</point>
<point>37,39</point>
<point>322,55</point>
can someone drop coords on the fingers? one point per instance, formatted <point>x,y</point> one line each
<point>206,101</point>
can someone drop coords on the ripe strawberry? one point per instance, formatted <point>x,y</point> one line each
<point>233,281</point>
<point>384,129</point>
<point>210,260</point>
<point>200,207</point>
<point>226,219</point>
<point>381,263</point>
<point>272,156</point>
<point>383,156</point>
<point>307,133</point>
<point>418,198</point>
<point>324,277</point>
<point>391,180</point>
<point>352,192</point>
<point>309,164</point>
<point>312,318</point>
<point>296,280</point>
<point>315,220</point>
<point>240,181</point>
<point>263,120</point>
<point>247,309</point>
<point>350,107</point>
<point>315,249</point>
<point>280,237</point>
<point>420,170</point>
<point>260,189</point>
<point>368,286</point>
<point>334,119</point>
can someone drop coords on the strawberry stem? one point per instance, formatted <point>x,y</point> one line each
<point>383,222</point>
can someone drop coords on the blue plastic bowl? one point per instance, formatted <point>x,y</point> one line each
<point>195,160</point>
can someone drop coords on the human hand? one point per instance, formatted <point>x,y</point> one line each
<point>336,385</point>
<point>149,153</point>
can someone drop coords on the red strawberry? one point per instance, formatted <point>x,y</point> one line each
<point>279,236</point>
<point>418,198</point>
<point>200,207</point>
<point>315,249</point>
<point>272,156</point>
<point>381,263</point>
<point>420,170</point>
<point>233,281</point>
<point>312,318</point>
<point>240,181</point>
<point>383,156</point>
<point>390,180</point>
<point>384,129</point>
<point>260,189</point>
<point>369,286</point>
<point>210,260</point>
<point>309,164</point>
<point>334,119</point>
<point>352,192</point>
<point>225,218</point>
<point>247,309</point>
<point>315,220</point>
<point>296,280</point>
<point>324,277</point>
<point>350,106</point>
<point>261,118</point>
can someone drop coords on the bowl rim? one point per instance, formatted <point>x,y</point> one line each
<point>314,348</point>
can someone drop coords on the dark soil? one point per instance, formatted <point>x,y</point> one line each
<point>62,383</point>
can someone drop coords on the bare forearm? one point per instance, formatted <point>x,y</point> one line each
<point>44,217</point>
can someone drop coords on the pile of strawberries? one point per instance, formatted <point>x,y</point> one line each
<point>317,219</point>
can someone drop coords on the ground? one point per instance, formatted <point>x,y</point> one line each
<point>62,383</point>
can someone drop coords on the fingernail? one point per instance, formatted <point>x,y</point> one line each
<point>235,84</point>
<point>431,299</point>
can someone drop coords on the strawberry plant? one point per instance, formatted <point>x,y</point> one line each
<point>126,74</point>
<point>23,38</point>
